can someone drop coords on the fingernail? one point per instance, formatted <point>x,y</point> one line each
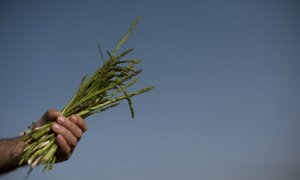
<point>60,119</point>
<point>56,126</point>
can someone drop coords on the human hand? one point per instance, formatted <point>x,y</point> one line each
<point>69,131</point>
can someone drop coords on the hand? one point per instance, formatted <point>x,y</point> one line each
<point>69,131</point>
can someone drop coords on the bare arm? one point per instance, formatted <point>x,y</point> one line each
<point>10,154</point>
<point>68,130</point>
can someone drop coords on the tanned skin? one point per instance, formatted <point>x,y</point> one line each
<point>69,131</point>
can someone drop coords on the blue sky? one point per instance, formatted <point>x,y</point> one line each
<point>226,103</point>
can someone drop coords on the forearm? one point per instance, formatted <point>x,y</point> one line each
<point>10,154</point>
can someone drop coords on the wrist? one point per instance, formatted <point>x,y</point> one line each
<point>11,153</point>
<point>16,155</point>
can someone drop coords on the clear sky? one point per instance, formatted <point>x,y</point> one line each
<point>226,104</point>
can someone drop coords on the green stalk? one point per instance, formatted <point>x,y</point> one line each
<point>50,153</point>
<point>41,151</point>
<point>41,133</point>
<point>95,94</point>
<point>70,102</point>
<point>85,99</point>
<point>82,113</point>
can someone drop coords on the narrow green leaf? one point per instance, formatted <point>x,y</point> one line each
<point>126,36</point>
<point>101,54</point>
<point>125,53</point>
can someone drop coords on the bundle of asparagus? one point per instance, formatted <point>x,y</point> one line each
<point>96,94</point>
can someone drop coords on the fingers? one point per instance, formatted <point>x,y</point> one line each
<point>51,115</point>
<point>66,134</point>
<point>79,122</point>
<point>68,130</point>
<point>64,149</point>
<point>73,128</point>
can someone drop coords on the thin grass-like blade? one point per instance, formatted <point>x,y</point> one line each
<point>127,35</point>
<point>101,54</point>
<point>125,53</point>
<point>128,100</point>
